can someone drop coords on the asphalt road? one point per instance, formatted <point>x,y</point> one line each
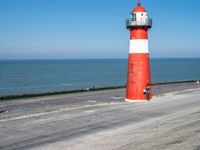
<point>170,121</point>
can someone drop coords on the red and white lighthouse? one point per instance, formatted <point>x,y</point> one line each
<point>139,78</point>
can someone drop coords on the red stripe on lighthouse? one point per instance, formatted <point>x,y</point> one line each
<point>138,76</point>
<point>139,33</point>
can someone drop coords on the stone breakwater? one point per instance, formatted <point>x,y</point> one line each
<point>92,89</point>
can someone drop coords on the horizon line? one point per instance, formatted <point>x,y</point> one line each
<point>93,58</point>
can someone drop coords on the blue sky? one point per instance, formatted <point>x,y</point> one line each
<point>95,28</point>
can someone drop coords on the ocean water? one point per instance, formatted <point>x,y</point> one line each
<point>39,76</point>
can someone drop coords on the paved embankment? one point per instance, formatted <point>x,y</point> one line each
<point>101,120</point>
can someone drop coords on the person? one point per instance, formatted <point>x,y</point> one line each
<point>147,92</point>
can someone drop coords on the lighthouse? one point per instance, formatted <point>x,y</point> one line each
<point>139,79</point>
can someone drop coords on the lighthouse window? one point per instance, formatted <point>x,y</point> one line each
<point>132,18</point>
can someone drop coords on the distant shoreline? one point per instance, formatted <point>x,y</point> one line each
<point>13,97</point>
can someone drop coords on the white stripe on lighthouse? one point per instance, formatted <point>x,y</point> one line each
<point>139,46</point>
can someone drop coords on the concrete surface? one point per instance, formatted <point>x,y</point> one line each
<point>101,121</point>
<point>28,106</point>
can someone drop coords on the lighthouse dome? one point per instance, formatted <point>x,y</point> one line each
<point>139,8</point>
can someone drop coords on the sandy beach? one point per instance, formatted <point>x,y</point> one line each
<point>102,120</point>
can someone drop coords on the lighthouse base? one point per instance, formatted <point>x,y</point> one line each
<point>136,101</point>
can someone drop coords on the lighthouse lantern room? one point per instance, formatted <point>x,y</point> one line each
<point>139,18</point>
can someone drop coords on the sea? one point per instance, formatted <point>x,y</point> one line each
<point>18,77</point>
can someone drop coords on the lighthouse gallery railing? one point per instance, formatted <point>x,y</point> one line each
<point>131,24</point>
